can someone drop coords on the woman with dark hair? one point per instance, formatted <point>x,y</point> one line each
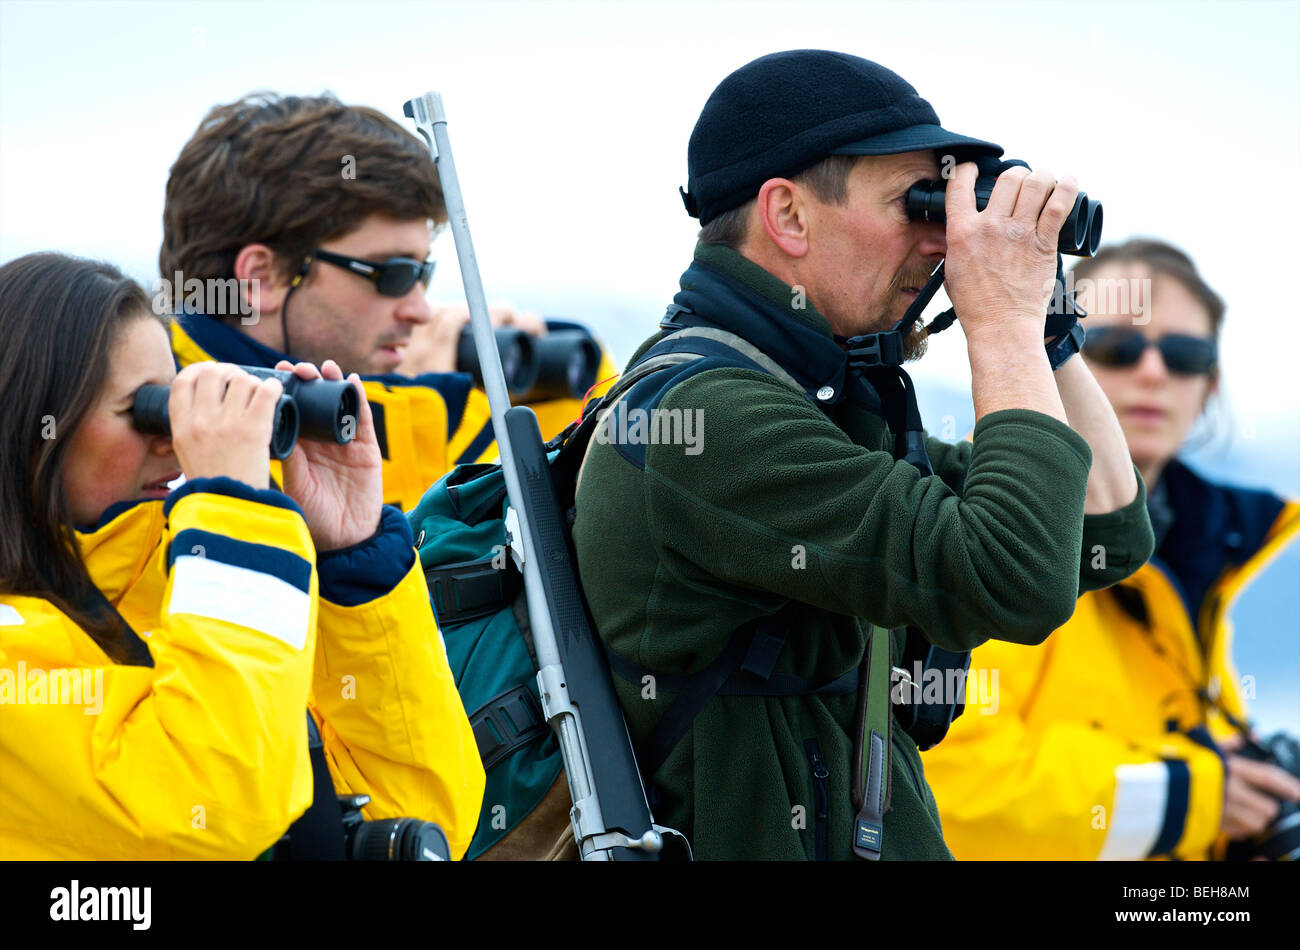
<point>1117,738</point>
<point>158,649</point>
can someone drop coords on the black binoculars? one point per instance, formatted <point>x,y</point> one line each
<point>1080,234</point>
<point>561,364</point>
<point>320,409</point>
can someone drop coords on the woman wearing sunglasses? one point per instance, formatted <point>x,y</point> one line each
<point>158,649</point>
<point>1116,739</point>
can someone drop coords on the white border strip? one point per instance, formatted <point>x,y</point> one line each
<point>1138,811</point>
<point>247,598</point>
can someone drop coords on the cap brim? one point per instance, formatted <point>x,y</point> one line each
<point>916,138</point>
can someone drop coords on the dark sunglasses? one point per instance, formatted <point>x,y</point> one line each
<point>1123,346</point>
<point>393,278</point>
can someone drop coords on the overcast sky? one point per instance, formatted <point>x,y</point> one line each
<point>570,121</point>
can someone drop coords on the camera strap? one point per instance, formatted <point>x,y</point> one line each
<point>317,834</point>
<point>93,603</point>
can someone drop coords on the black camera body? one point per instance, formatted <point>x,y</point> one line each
<point>322,409</point>
<point>1280,841</point>
<point>1080,235</point>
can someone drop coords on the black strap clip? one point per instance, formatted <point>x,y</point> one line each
<point>472,589</point>
<point>506,723</point>
<point>876,349</point>
<point>672,319</point>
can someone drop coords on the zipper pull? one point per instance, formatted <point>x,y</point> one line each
<point>820,771</point>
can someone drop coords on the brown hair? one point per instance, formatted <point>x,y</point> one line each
<point>828,180</point>
<point>1163,260</point>
<point>59,318</point>
<point>290,172</point>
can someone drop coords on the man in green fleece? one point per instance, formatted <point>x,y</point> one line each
<point>757,566</point>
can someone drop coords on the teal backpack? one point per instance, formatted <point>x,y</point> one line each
<point>478,598</point>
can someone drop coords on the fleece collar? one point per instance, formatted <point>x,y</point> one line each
<point>726,289</point>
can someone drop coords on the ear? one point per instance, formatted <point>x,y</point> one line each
<point>784,218</point>
<point>260,279</point>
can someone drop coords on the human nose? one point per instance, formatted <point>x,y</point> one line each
<point>934,241</point>
<point>1151,365</point>
<point>415,307</point>
<point>162,446</point>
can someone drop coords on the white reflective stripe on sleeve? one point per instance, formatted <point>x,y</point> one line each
<point>10,617</point>
<point>210,588</point>
<point>1138,813</point>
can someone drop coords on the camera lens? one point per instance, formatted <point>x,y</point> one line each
<point>398,839</point>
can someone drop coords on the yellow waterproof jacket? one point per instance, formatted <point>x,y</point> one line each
<point>1099,744</point>
<point>204,753</point>
<point>425,424</point>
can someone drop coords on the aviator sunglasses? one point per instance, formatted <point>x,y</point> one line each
<point>1123,346</point>
<point>393,278</point>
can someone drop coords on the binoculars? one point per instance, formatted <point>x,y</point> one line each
<point>1080,234</point>
<point>320,409</point>
<point>561,364</point>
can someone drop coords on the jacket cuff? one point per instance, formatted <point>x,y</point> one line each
<point>370,569</point>
<point>1170,807</point>
<point>1117,543</point>
<point>1209,776</point>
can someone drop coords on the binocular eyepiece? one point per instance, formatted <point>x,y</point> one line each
<point>321,409</point>
<point>561,364</point>
<point>1080,235</point>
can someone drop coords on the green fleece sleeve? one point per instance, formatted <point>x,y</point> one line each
<point>775,498</point>
<point>1117,543</point>
<point>950,460</point>
<point>1114,544</point>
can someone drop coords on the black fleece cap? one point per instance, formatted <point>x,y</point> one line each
<point>785,112</point>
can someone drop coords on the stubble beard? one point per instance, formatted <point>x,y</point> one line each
<point>915,339</point>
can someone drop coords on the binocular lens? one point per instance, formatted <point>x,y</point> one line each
<point>326,409</point>
<point>518,359</point>
<point>1094,229</point>
<point>1075,229</point>
<point>284,430</point>
<point>560,365</point>
<point>568,361</point>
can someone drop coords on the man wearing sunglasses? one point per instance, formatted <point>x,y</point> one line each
<point>1120,741</point>
<point>324,213</point>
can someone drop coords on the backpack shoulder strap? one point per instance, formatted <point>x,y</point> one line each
<point>688,345</point>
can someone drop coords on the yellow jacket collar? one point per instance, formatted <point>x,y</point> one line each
<point>117,549</point>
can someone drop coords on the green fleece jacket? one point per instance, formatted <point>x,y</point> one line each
<point>783,502</point>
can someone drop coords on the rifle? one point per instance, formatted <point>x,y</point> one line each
<point>610,815</point>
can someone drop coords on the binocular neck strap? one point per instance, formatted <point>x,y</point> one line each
<point>284,307</point>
